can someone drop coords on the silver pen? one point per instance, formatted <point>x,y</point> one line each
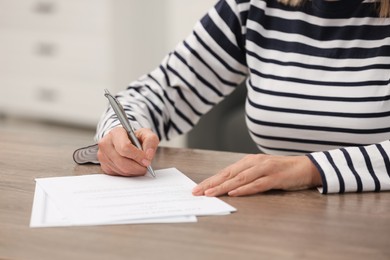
<point>120,112</point>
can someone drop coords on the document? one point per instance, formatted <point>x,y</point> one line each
<point>46,214</point>
<point>100,199</point>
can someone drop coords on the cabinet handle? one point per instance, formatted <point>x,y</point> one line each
<point>44,7</point>
<point>46,94</point>
<point>46,49</point>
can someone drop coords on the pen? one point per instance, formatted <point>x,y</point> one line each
<point>120,112</point>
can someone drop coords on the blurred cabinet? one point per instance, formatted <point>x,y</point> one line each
<point>58,56</point>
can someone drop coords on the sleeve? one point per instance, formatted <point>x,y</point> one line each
<point>354,169</point>
<point>204,68</point>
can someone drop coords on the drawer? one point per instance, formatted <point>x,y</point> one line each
<point>83,16</point>
<point>57,100</point>
<point>61,55</point>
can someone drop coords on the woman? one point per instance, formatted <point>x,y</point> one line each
<point>317,74</point>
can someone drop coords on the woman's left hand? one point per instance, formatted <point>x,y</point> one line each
<point>259,173</point>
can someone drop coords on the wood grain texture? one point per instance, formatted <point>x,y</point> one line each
<point>274,225</point>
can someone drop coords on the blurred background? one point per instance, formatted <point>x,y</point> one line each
<point>57,57</point>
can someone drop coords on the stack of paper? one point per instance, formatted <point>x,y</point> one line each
<point>100,199</point>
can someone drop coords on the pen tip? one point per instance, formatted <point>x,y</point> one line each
<point>151,171</point>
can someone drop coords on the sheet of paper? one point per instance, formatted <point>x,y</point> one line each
<point>46,214</point>
<point>98,198</point>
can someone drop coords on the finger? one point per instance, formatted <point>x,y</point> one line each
<point>214,181</point>
<point>259,185</point>
<point>125,148</point>
<point>105,163</point>
<point>226,174</point>
<point>241,179</point>
<point>149,141</point>
<point>126,166</point>
<point>115,164</point>
<point>108,167</point>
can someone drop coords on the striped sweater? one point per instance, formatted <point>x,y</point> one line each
<point>317,78</point>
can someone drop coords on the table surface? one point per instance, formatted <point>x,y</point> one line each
<point>274,225</point>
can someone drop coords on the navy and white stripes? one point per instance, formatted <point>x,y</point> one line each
<point>318,79</point>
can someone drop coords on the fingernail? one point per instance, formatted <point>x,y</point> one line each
<point>145,162</point>
<point>196,190</point>
<point>232,193</point>
<point>209,192</point>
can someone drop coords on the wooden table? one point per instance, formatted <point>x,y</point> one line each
<point>275,225</point>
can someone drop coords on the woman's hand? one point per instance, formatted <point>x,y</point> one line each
<point>260,173</point>
<point>118,156</point>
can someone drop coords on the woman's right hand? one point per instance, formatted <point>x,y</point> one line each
<point>118,156</point>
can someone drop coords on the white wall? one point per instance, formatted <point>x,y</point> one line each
<point>170,21</point>
<point>148,30</point>
<point>181,18</point>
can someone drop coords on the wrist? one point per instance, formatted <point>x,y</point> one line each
<point>315,176</point>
